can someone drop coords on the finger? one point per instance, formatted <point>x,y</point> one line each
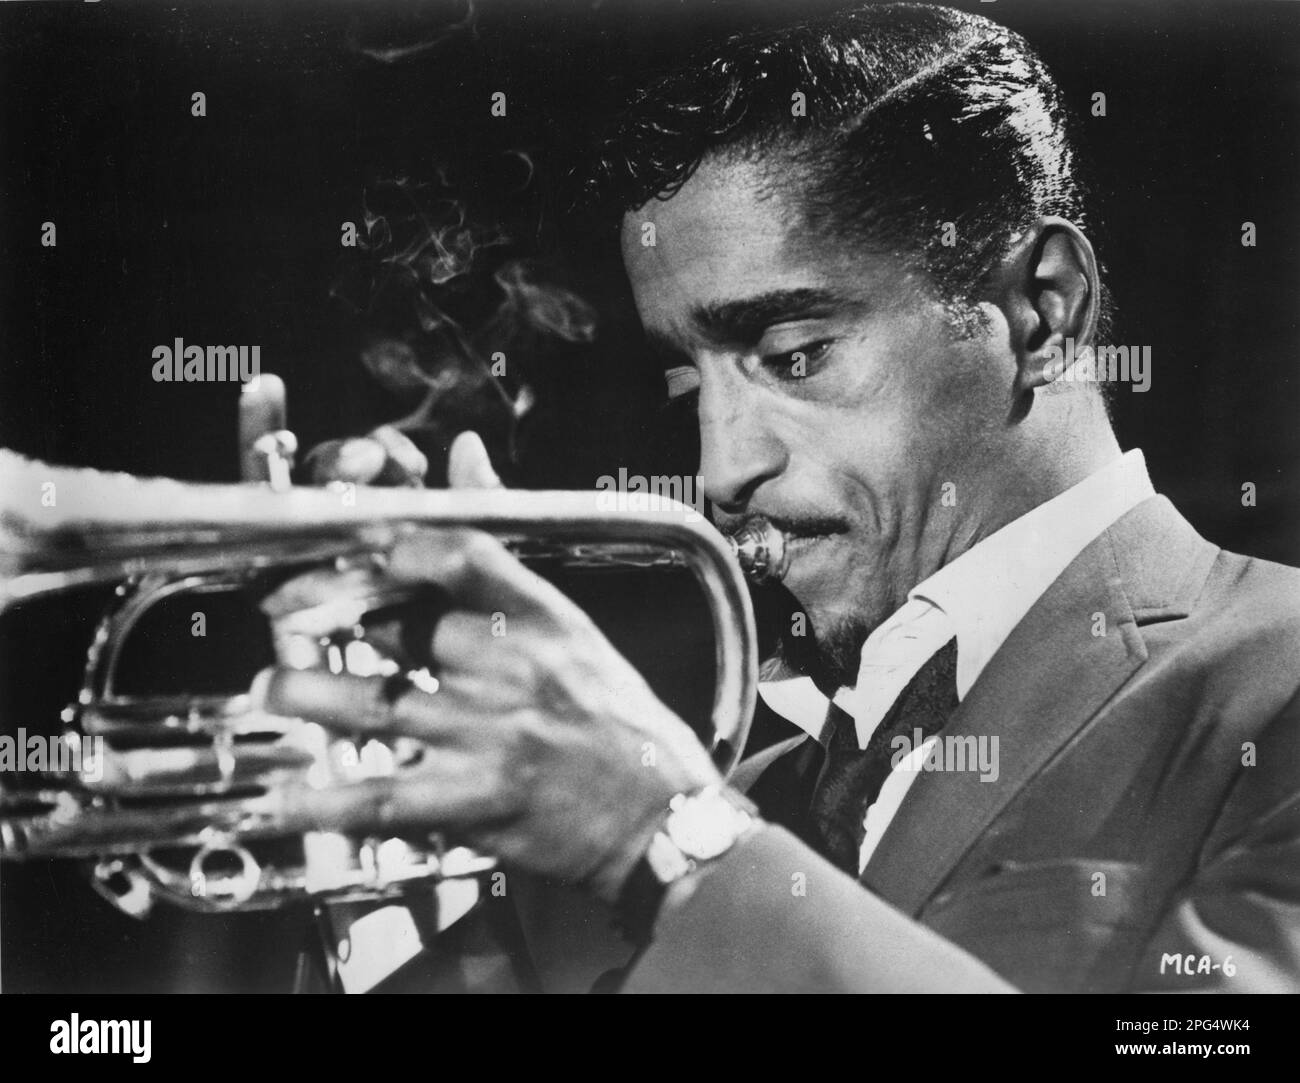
<point>320,586</point>
<point>460,640</point>
<point>446,794</point>
<point>450,644</point>
<point>359,705</point>
<point>468,464</point>
<point>261,411</point>
<point>406,463</point>
<point>359,460</point>
<point>476,571</point>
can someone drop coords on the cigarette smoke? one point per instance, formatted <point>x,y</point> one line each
<point>454,314</point>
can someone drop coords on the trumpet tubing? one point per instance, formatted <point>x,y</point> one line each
<point>198,799</point>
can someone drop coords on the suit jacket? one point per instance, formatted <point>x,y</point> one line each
<point>1143,832</point>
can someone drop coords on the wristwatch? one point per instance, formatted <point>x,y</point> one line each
<point>699,827</point>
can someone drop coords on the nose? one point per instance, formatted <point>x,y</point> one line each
<point>738,449</point>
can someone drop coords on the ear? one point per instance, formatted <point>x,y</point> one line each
<point>1048,289</point>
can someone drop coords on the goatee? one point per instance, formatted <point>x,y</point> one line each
<point>829,655</point>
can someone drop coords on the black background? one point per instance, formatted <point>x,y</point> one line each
<point>225,229</point>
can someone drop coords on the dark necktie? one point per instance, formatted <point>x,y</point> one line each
<point>851,778</point>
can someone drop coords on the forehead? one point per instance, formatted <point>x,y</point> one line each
<point>729,234</point>
<point>725,226</point>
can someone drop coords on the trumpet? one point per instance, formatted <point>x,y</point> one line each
<point>199,799</point>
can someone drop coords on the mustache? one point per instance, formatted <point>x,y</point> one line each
<point>792,525</point>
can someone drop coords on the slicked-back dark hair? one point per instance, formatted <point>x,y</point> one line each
<point>916,116</point>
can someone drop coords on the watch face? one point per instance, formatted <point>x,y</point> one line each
<point>705,828</point>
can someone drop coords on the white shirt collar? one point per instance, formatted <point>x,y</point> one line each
<point>987,590</point>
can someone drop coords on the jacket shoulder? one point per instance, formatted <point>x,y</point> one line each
<point>1257,597</point>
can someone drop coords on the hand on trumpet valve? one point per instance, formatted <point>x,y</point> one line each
<point>546,748</point>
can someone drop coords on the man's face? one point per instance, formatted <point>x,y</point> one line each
<point>833,397</point>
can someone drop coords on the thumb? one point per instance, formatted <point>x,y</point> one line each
<point>468,465</point>
<point>261,413</point>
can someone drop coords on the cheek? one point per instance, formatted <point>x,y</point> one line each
<point>881,416</point>
<point>902,417</point>
<point>923,391</point>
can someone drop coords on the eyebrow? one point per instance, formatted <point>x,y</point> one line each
<point>744,320</point>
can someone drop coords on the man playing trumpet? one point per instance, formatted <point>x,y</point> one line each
<point>867,302</point>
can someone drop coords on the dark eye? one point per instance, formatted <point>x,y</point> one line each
<point>799,363</point>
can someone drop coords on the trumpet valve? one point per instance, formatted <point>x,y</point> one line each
<point>274,453</point>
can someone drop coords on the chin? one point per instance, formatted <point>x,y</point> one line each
<point>828,651</point>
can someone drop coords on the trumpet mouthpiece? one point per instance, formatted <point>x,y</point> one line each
<point>760,549</point>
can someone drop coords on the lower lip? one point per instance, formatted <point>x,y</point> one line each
<point>802,554</point>
<point>806,564</point>
<point>798,545</point>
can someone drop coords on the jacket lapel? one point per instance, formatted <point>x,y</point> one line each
<point>748,771</point>
<point>1042,686</point>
